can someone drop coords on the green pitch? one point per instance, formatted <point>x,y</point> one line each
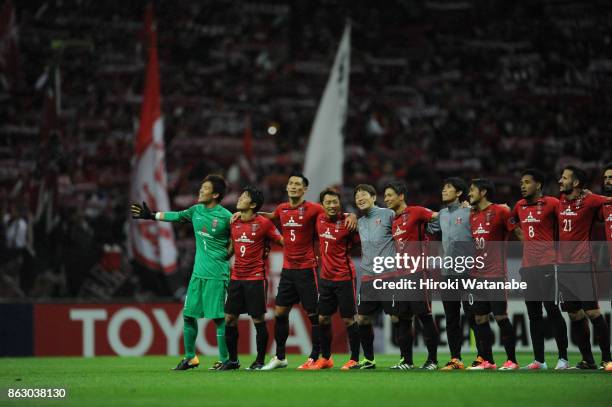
<point>148,381</point>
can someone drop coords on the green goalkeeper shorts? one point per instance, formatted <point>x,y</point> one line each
<point>205,298</point>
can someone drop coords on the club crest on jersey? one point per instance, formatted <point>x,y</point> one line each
<point>480,230</point>
<point>338,224</point>
<point>609,218</point>
<point>301,212</point>
<point>292,222</point>
<point>458,221</point>
<point>254,228</point>
<point>327,235</point>
<point>378,221</point>
<point>488,217</point>
<point>568,212</point>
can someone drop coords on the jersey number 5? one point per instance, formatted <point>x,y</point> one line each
<point>292,235</point>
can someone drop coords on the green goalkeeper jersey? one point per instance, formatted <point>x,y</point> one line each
<point>211,227</point>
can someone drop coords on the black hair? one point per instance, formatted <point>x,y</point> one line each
<point>256,195</point>
<point>398,187</point>
<point>608,167</point>
<point>300,175</point>
<point>329,191</point>
<point>218,185</point>
<point>577,174</point>
<point>459,184</point>
<point>364,187</point>
<point>537,175</point>
<point>485,184</point>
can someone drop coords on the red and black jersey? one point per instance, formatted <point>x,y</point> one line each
<point>335,242</point>
<point>249,240</point>
<point>606,215</point>
<point>298,229</point>
<point>408,231</point>
<point>576,218</point>
<point>490,229</point>
<point>538,221</point>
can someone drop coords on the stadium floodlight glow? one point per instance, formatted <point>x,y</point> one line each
<point>272,130</point>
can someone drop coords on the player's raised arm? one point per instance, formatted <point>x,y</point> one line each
<point>143,212</point>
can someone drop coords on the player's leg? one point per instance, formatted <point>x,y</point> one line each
<point>601,330</point>
<point>366,337</point>
<point>508,336</point>
<point>286,296</point>
<point>234,306</point>
<point>192,310</point>
<point>431,334</point>
<point>483,333</point>
<point>452,313</point>
<point>536,330</point>
<point>404,338</point>
<point>256,293</point>
<point>328,304</point>
<point>306,284</point>
<point>347,304</point>
<point>560,330</point>
<point>214,293</point>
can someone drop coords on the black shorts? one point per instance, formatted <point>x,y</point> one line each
<point>246,296</point>
<point>367,304</point>
<point>484,302</point>
<point>540,282</point>
<point>576,288</point>
<point>298,286</point>
<point>335,295</point>
<point>410,308</point>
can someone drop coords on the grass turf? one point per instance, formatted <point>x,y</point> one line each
<point>148,381</point>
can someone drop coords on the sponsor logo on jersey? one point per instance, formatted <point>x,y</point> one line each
<point>244,239</point>
<point>531,219</point>
<point>327,235</point>
<point>204,233</point>
<point>480,230</point>
<point>568,212</point>
<point>398,231</point>
<point>292,223</point>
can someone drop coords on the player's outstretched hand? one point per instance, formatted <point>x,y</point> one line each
<point>142,212</point>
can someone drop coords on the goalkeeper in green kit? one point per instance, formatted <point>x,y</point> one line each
<point>207,287</point>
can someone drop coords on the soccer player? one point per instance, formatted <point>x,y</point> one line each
<point>298,281</point>
<point>375,232</point>
<point>453,222</point>
<point>606,210</point>
<point>408,229</point>
<point>536,215</point>
<point>578,210</point>
<point>337,282</point>
<point>490,225</point>
<point>248,284</point>
<point>206,291</point>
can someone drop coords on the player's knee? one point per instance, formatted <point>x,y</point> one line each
<point>394,319</point>
<point>499,318</point>
<point>281,311</point>
<point>593,313</point>
<point>314,319</point>
<point>259,319</point>
<point>577,315</point>
<point>364,320</point>
<point>231,320</point>
<point>481,319</point>
<point>324,319</point>
<point>282,319</point>
<point>348,321</point>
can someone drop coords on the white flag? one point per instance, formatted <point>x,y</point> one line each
<point>152,243</point>
<point>324,155</point>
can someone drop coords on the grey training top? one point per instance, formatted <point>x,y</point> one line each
<point>376,235</point>
<point>454,222</point>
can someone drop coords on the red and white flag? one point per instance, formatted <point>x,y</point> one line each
<point>152,243</point>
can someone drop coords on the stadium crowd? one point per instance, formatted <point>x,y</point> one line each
<point>438,88</point>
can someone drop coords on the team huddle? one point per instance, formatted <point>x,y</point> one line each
<point>557,265</point>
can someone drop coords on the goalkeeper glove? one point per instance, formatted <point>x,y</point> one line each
<point>142,212</point>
